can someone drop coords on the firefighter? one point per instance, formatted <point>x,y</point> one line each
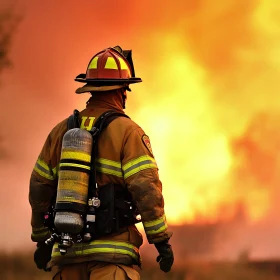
<point>125,158</point>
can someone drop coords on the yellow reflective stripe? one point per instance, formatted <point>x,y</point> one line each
<point>40,235</point>
<point>67,154</point>
<point>123,64</point>
<point>109,171</point>
<point>43,174</point>
<point>136,165</point>
<point>109,167</point>
<point>40,232</point>
<point>155,226</point>
<point>93,63</point>
<point>156,231</point>
<point>44,170</point>
<point>55,170</point>
<point>99,246</point>
<point>75,165</point>
<point>73,186</point>
<point>39,229</point>
<point>154,222</point>
<point>109,250</point>
<point>111,63</point>
<point>109,162</point>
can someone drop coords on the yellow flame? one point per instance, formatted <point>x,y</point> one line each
<point>192,132</point>
<point>191,151</point>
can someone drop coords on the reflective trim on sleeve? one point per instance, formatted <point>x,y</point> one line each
<point>44,170</point>
<point>136,165</point>
<point>109,167</point>
<point>39,233</point>
<point>155,226</point>
<point>99,246</point>
<point>55,171</point>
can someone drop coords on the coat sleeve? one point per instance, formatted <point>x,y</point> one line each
<point>141,177</point>
<point>43,184</point>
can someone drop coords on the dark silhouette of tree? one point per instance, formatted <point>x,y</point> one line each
<point>8,23</point>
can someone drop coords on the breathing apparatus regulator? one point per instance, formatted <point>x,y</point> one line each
<point>83,211</point>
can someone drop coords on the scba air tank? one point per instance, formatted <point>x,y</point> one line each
<point>72,190</point>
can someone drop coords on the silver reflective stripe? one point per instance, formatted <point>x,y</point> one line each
<point>156,227</point>
<point>138,165</point>
<point>102,165</point>
<point>43,169</point>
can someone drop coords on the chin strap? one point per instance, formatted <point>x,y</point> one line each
<point>124,94</point>
<point>124,100</point>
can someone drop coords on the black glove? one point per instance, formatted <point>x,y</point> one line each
<point>42,255</point>
<point>165,258</point>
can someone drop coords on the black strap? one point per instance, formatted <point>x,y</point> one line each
<point>73,120</point>
<point>101,123</point>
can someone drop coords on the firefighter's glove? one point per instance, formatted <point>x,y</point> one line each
<point>42,255</point>
<point>165,258</point>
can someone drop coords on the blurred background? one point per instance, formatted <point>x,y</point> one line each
<point>209,103</point>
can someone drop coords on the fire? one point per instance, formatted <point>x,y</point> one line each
<point>191,151</point>
<point>211,77</point>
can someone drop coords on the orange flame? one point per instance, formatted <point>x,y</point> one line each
<point>210,77</point>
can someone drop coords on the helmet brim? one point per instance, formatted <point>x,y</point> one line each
<point>90,88</point>
<point>106,82</point>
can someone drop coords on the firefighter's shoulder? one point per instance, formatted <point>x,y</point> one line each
<point>59,129</point>
<point>126,125</point>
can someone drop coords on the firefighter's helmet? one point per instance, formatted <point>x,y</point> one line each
<point>109,69</point>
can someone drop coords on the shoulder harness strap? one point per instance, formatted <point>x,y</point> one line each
<point>73,120</point>
<point>101,123</point>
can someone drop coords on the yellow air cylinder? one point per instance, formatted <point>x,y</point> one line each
<point>72,190</point>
